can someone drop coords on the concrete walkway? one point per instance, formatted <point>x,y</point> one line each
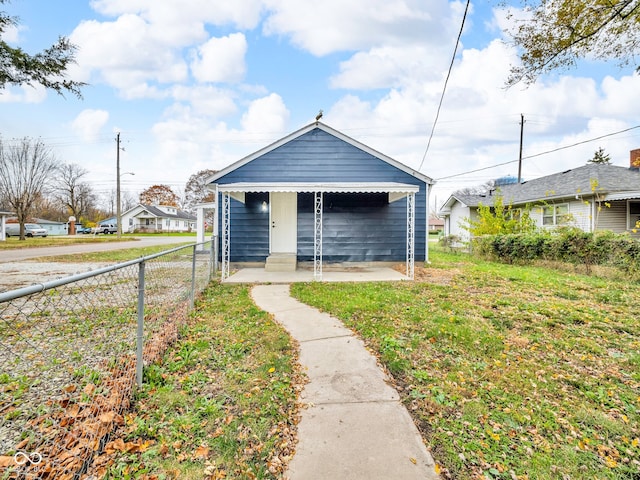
<point>354,426</point>
<point>368,274</point>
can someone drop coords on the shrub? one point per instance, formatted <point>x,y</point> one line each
<point>569,245</point>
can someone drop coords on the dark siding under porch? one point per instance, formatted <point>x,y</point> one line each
<point>356,228</point>
<point>250,225</point>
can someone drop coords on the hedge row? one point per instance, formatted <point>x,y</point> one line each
<point>569,245</point>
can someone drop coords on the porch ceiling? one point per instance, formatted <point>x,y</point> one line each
<point>312,187</point>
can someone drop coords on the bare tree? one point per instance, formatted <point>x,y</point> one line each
<point>27,167</point>
<point>72,192</point>
<point>196,190</point>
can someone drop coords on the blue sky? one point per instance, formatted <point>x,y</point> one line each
<point>195,84</point>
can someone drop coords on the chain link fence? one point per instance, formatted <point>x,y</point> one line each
<point>73,349</point>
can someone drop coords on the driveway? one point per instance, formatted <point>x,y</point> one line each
<point>16,269</point>
<point>18,255</point>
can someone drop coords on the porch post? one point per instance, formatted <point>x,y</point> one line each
<point>226,218</point>
<point>411,223</point>
<point>317,237</point>
<point>200,224</point>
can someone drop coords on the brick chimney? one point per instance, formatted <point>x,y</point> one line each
<point>634,159</point>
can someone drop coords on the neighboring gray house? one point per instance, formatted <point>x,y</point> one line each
<point>157,218</point>
<point>53,227</point>
<point>320,196</point>
<point>591,197</point>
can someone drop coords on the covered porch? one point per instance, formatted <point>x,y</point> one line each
<point>342,274</point>
<point>280,203</point>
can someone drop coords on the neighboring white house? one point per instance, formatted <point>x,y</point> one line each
<point>157,218</point>
<point>591,197</point>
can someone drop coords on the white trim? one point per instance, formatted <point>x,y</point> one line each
<point>330,131</point>
<point>226,240</point>
<point>326,187</point>
<point>317,236</point>
<point>411,226</point>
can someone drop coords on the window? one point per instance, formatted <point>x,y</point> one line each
<point>634,214</point>
<point>556,215</point>
<point>514,214</point>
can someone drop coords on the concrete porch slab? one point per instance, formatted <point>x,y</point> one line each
<point>360,274</point>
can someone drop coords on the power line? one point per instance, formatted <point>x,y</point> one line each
<point>541,153</point>
<point>446,81</point>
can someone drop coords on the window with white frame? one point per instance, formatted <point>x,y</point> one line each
<point>555,215</point>
<point>634,213</point>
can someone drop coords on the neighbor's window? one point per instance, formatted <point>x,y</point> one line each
<point>634,213</point>
<point>515,214</point>
<point>555,215</point>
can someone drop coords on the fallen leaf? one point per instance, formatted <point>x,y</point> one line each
<point>201,452</point>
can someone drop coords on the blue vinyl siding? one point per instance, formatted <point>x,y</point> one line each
<point>249,229</point>
<point>361,231</point>
<point>356,228</point>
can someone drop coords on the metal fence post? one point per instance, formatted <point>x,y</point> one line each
<point>193,279</point>
<point>140,332</point>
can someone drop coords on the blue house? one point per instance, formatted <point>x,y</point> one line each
<point>319,196</point>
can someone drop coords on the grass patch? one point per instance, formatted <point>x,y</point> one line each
<point>57,241</point>
<point>110,256</point>
<point>222,402</point>
<point>509,371</point>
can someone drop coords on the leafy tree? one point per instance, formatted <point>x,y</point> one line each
<point>600,157</point>
<point>499,219</point>
<point>558,33</point>
<point>46,68</point>
<point>159,195</point>
<point>27,168</point>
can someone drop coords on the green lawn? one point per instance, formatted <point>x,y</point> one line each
<point>510,372</point>
<point>54,241</point>
<point>221,405</point>
<point>59,240</point>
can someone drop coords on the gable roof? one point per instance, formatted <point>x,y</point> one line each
<point>610,180</point>
<point>325,128</point>
<point>159,213</point>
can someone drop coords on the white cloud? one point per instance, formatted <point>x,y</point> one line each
<point>206,100</point>
<point>11,33</point>
<point>186,16</point>
<point>221,60</point>
<point>385,67</point>
<point>126,53</point>
<point>89,122</point>
<point>267,114</point>
<point>335,25</point>
<point>23,94</point>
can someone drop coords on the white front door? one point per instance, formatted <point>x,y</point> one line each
<point>284,222</point>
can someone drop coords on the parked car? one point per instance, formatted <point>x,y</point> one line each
<point>83,230</point>
<point>30,230</point>
<point>106,228</point>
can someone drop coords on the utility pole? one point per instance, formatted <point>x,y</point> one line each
<point>118,209</point>
<point>520,157</point>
